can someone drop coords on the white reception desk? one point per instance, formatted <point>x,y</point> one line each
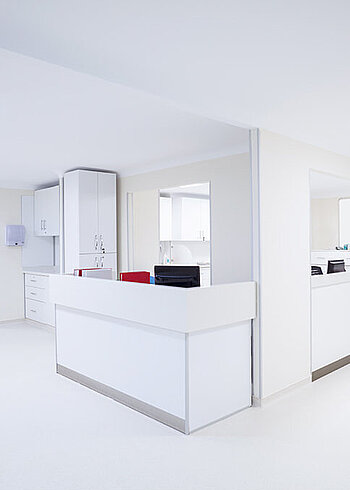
<point>330,315</point>
<point>181,356</point>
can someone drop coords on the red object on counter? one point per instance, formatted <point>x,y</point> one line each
<point>138,276</point>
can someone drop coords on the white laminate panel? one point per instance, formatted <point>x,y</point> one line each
<point>107,212</point>
<point>145,363</point>
<point>88,212</point>
<point>37,281</point>
<point>36,250</point>
<point>181,310</point>
<point>224,304</point>
<point>36,293</point>
<point>330,279</point>
<point>219,373</point>
<point>330,324</point>
<point>107,260</point>
<point>41,270</point>
<point>37,310</point>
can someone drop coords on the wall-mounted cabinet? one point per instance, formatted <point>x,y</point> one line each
<point>195,220</point>
<point>47,212</point>
<point>90,210</point>
<point>184,218</point>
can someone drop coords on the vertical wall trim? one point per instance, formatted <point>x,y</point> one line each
<point>255,217</point>
<point>130,230</point>
<point>187,383</point>
<point>61,238</point>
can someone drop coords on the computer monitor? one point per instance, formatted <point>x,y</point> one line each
<point>181,276</point>
<point>335,266</point>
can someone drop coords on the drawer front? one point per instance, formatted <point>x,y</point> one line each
<point>36,281</point>
<point>36,310</point>
<point>36,293</point>
<point>205,276</point>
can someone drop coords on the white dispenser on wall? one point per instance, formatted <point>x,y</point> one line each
<point>14,235</point>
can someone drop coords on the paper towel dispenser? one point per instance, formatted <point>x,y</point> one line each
<point>14,236</point>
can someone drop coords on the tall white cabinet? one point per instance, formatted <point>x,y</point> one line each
<point>90,220</point>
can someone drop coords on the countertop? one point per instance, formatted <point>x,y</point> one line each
<point>42,270</point>
<point>330,279</point>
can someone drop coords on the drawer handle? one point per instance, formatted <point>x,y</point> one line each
<point>33,280</point>
<point>33,311</point>
<point>34,294</point>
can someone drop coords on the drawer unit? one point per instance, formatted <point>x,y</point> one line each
<point>37,281</point>
<point>37,306</point>
<point>205,275</point>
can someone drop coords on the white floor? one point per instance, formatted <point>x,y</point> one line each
<point>56,434</point>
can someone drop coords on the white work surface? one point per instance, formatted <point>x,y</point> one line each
<point>185,353</point>
<point>42,270</point>
<point>330,318</point>
<point>179,309</point>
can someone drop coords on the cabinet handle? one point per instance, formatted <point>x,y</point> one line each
<point>102,261</point>
<point>33,311</point>
<point>96,242</point>
<point>102,247</point>
<point>33,280</point>
<point>34,294</point>
<point>41,224</point>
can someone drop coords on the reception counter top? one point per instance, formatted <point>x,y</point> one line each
<point>178,309</point>
<point>181,356</point>
<point>330,279</point>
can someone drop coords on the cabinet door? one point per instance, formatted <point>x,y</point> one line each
<point>108,261</point>
<point>88,215</point>
<point>205,219</point>
<point>88,261</point>
<point>39,212</point>
<point>191,219</point>
<point>107,212</point>
<point>52,211</point>
<point>47,212</point>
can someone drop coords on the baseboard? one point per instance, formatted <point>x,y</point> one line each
<point>131,402</point>
<point>12,320</point>
<point>333,366</point>
<point>262,402</point>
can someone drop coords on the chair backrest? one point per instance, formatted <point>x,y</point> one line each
<point>136,276</point>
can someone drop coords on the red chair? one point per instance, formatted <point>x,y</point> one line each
<point>138,276</point>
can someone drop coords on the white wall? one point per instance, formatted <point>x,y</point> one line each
<point>324,223</point>
<point>230,210</point>
<point>146,233</point>
<point>285,256</point>
<point>11,278</point>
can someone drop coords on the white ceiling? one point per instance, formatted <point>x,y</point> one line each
<point>324,186</point>
<point>274,64</point>
<point>277,64</point>
<point>53,119</point>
